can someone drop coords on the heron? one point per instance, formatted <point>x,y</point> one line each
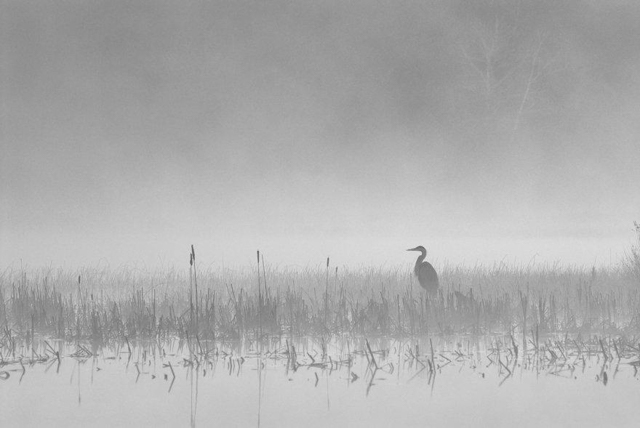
<point>427,275</point>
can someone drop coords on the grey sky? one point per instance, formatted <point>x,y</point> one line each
<point>133,129</point>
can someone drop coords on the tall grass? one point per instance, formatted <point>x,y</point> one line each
<point>632,261</point>
<point>103,304</point>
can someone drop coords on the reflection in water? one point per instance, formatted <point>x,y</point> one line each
<point>193,375</point>
<point>260,390</point>
<point>320,382</point>
<point>79,388</point>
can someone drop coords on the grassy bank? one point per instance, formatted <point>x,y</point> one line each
<point>105,304</point>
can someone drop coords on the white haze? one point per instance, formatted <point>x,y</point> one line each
<point>131,130</point>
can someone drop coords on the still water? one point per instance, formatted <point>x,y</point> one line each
<point>462,382</point>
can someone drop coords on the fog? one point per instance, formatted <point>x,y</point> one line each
<point>485,131</point>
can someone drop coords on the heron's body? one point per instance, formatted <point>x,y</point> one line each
<point>427,275</point>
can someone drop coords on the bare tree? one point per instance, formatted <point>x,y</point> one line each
<point>503,59</point>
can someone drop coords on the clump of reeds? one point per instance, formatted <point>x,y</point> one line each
<point>303,305</point>
<point>632,260</point>
<point>100,304</point>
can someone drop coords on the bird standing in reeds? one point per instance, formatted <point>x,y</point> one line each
<point>427,275</point>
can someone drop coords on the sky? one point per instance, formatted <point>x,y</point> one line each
<point>485,131</point>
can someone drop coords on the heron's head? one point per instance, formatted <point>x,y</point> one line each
<point>418,248</point>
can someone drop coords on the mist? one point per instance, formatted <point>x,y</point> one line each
<point>485,131</point>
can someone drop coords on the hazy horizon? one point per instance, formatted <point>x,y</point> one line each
<point>484,131</point>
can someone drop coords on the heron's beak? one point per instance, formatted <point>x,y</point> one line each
<point>411,249</point>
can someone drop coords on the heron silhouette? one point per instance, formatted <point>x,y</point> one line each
<point>427,275</point>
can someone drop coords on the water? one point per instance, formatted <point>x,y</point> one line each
<point>477,382</point>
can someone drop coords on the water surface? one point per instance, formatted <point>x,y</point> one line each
<point>476,382</point>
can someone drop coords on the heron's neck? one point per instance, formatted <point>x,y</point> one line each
<point>421,258</point>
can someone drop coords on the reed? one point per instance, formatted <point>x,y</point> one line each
<point>100,304</point>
